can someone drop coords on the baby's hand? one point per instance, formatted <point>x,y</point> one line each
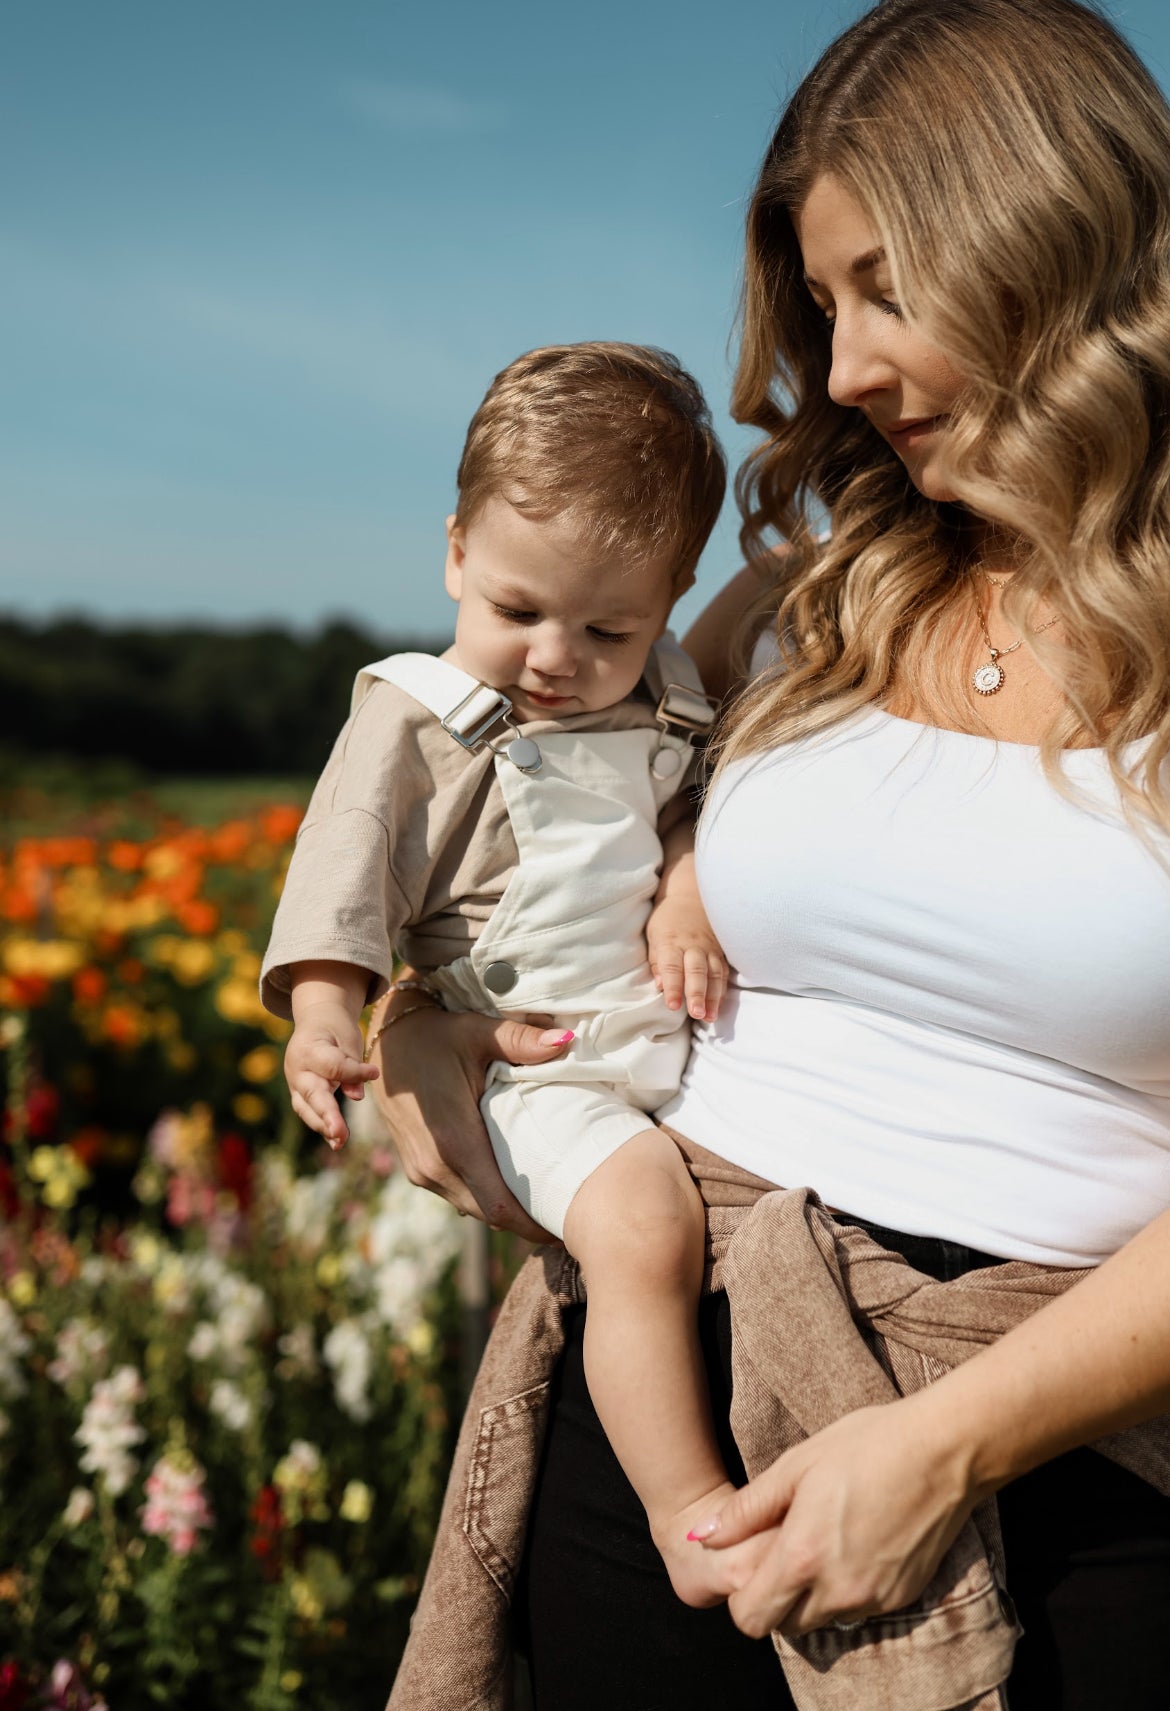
<point>324,1054</point>
<point>685,958</point>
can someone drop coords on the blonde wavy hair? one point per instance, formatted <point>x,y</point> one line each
<point>1014,158</point>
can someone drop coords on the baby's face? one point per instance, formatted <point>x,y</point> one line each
<point>557,631</point>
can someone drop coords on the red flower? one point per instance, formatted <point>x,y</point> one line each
<point>269,1524</point>
<point>13,1690</point>
<point>235,1168</point>
<point>41,1110</point>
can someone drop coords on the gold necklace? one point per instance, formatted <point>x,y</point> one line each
<point>988,679</point>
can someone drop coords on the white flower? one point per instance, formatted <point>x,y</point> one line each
<point>204,1341</point>
<point>300,1466</point>
<point>347,1350</point>
<point>230,1405</point>
<point>14,1345</point>
<point>79,1507</point>
<point>309,1205</point>
<point>411,1240</point>
<point>82,1351</point>
<point>108,1429</point>
<point>175,1508</point>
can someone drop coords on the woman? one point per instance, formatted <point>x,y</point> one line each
<point>936,849</point>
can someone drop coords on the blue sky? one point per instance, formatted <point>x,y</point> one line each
<point>259,259</point>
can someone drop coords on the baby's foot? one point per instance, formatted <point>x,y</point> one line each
<point>701,1577</point>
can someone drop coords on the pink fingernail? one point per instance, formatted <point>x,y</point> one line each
<point>550,1037</point>
<point>704,1530</point>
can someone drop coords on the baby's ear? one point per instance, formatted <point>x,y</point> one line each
<point>453,570</point>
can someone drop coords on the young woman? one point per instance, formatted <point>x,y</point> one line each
<point>937,851</point>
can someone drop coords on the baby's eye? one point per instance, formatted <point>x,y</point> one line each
<point>616,637</point>
<point>514,617</point>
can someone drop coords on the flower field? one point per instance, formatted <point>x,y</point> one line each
<point>226,1355</point>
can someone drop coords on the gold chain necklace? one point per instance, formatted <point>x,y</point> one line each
<point>988,679</point>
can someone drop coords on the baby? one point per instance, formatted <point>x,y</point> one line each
<point>494,818</point>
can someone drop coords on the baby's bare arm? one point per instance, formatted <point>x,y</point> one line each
<point>325,1051</point>
<point>686,959</point>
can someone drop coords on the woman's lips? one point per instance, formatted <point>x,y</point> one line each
<point>907,434</point>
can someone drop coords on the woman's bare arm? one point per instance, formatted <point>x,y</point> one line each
<point>712,639</point>
<point>863,1511</point>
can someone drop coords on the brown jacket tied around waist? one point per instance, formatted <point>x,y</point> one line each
<point>824,1321</point>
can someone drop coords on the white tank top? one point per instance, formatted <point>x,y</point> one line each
<point>951,1010</point>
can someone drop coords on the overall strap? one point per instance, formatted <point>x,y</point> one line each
<point>460,703</point>
<point>467,710</point>
<point>674,682</point>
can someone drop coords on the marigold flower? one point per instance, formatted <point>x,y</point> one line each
<point>280,823</point>
<point>124,857</point>
<point>260,1064</point>
<point>89,985</point>
<point>250,1108</point>
<point>198,916</point>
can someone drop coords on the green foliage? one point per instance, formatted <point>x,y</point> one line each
<point>190,700</point>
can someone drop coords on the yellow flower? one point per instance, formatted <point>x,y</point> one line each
<point>193,961</point>
<point>146,1251</point>
<point>250,1108</point>
<point>61,1174</point>
<point>328,1271</point>
<point>357,1501</point>
<point>238,1001</point>
<point>52,959</point>
<point>304,1600</point>
<point>260,1064</point>
<point>231,942</point>
<point>290,1680</point>
<point>22,1288</point>
<point>420,1340</point>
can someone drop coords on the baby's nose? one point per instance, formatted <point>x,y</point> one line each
<point>551,653</point>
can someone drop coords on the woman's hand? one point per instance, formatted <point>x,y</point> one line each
<point>433,1066</point>
<point>860,1516</point>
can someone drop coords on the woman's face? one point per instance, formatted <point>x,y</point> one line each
<point>881,365</point>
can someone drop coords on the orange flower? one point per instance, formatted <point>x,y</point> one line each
<point>125,857</point>
<point>89,985</point>
<point>18,905</point>
<point>227,843</point>
<point>122,1025</point>
<point>198,916</point>
<point>279,823</point>
<point>28,991</point>
<point>130,971</point>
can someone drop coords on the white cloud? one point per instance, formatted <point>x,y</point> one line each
<point>414,108</point>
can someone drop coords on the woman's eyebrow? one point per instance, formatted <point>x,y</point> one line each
<point>860,264</point>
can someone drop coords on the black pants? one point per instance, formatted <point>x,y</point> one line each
<point>1087,1546</point>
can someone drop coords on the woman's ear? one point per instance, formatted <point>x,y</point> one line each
<point>453,570</point>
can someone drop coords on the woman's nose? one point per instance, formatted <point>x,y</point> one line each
<point>859,369</point>
<point>551,652</point>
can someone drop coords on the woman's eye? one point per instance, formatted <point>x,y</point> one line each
<point>514,617</point>
<point>889,307</point>
<point>616,637</point>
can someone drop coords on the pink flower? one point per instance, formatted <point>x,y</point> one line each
<point>176,1509</point>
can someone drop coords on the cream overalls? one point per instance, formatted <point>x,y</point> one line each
<point>567,937</point>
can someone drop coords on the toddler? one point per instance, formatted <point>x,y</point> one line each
<point>494,818</point>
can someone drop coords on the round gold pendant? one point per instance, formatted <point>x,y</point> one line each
<point>988,678</point>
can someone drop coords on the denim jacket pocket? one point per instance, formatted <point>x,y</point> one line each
<point>499,1481</point>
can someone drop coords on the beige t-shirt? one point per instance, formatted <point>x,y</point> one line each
<point>406,846</point>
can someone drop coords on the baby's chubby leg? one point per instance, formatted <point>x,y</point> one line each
<point>636,1226</point>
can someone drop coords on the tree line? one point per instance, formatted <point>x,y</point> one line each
<point>190,700</point>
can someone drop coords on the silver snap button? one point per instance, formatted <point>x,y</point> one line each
<point>664,763</point>
<point>524,753</point>
<point>500,977</point>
